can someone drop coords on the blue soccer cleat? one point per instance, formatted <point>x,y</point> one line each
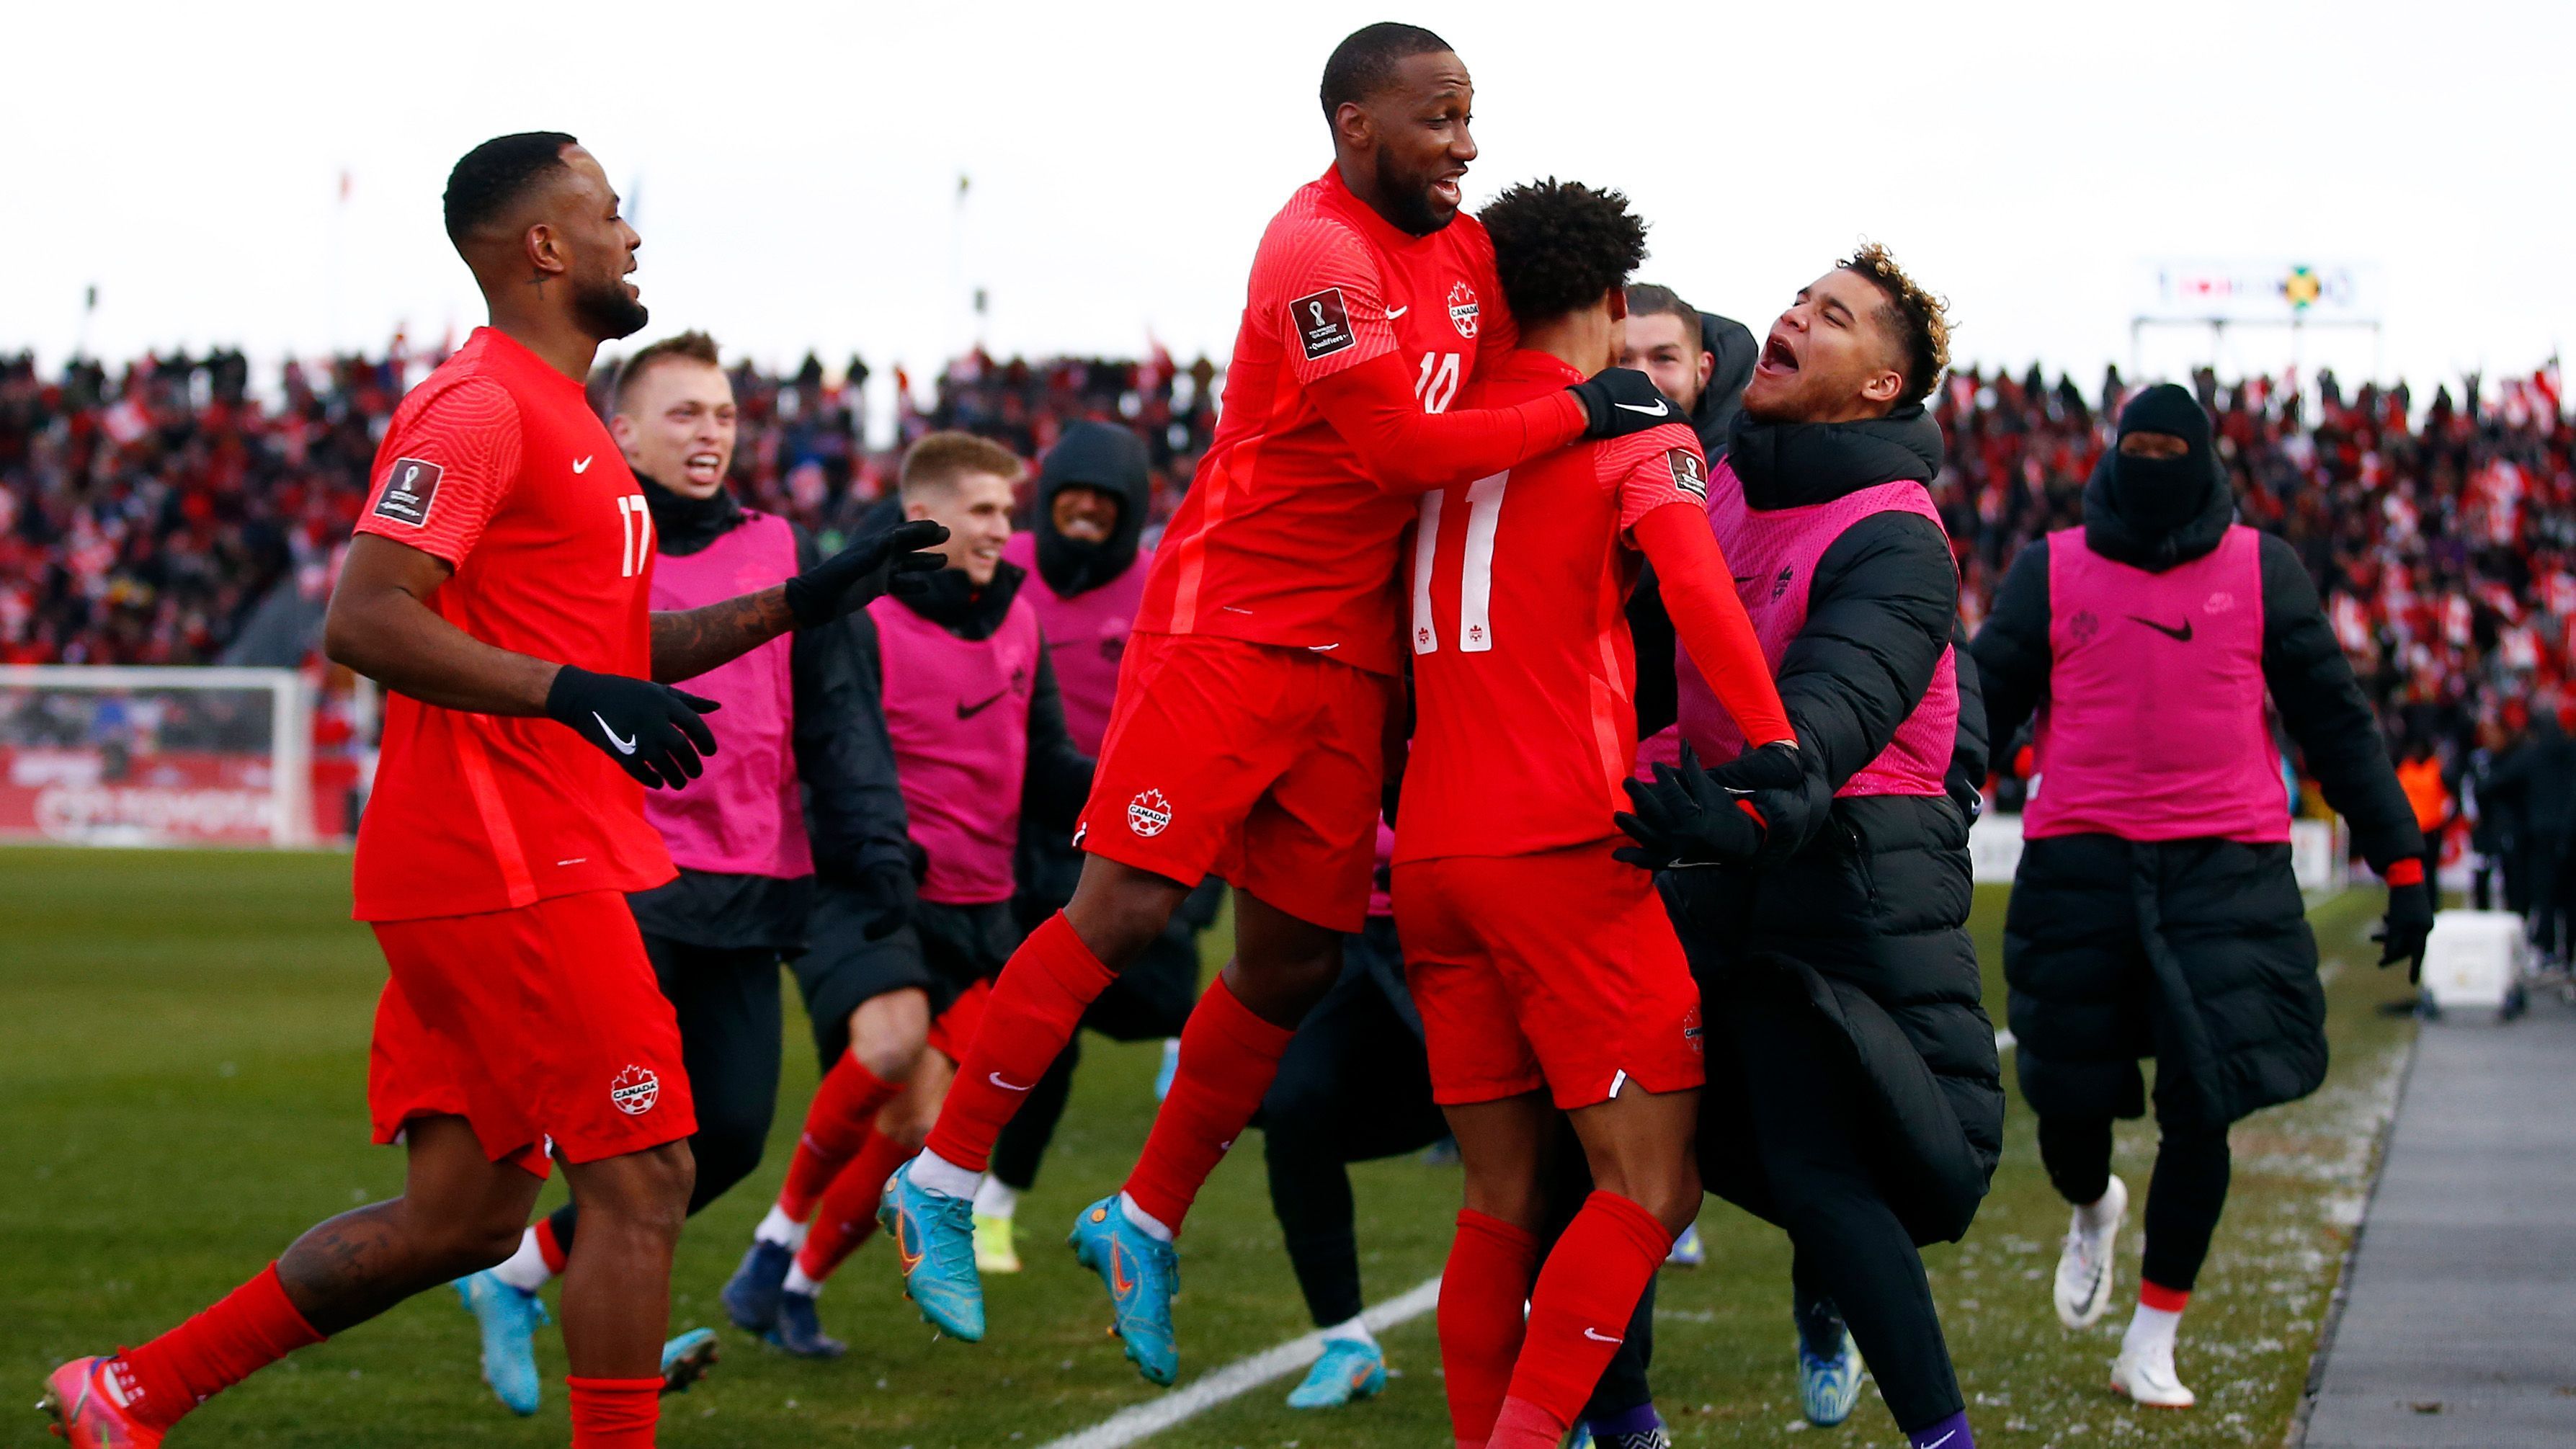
<point>686,1359</point>
<point>800,1328</point>
<point>509,1318</point>
<point>1348,1370</point>
<point>1686,1250</point>
<point>751,1294</point>
<point>1142,1273</point>
<point>934,1239</point>
<point>1828,1387</point>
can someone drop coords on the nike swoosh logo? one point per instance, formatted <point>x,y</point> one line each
<point>624,747</point>
<point>1597,1337</point>
<point>1658,410</point>
<point>2181,635</point>
<point>996,1079</point>
<point>1120,1285</point>
<point>584,465</point>
<point>969,711</point>
<point>1944,1439</point>
<point>1394,312</point>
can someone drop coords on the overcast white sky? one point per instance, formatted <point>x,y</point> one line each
<point>793,168</point>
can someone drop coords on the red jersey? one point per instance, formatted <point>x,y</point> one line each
<point>496,464</point>
<point>1524,674</point>
<point>1283,538</point>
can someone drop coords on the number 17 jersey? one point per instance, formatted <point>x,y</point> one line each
<point>1284,539</point>
<point>1524,675</point>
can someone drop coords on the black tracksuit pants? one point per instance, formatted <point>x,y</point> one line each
<point>2184,1198</point>
<point>1850,1247</point>
<point>727,1000</point>
<point>1355,1086</point>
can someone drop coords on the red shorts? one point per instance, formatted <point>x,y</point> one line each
<point>1557,970</point>
<point>953,1031</point>
<point>1261,765</point>
<point>537,1025</point>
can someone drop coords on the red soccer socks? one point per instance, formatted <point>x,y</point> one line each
<point>1228,1058</point>
<point>848,1212</point>
<point>252,1327</point>
<point>614,1413</point>
<point>1481,1292</point>
<point>841,1119</point>
<point>1037,1003</point>
<point>1578,1314</point>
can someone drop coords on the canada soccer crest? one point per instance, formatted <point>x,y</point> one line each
<point>635,1090</point>
<point>1149,814</point>
<point>1462,310</point>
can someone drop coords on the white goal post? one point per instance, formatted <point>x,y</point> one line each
<point>131,755</point>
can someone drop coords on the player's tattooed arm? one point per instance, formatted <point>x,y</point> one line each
<point>689,642</point>
<point>380,624</point>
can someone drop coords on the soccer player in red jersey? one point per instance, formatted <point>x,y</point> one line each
<point>498,587</point>
<point>1548,976</point>
<point>1248,736</point>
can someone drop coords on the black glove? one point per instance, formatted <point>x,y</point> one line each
<point>1618,401</point>
<point>885,894</point>
<point>1691,816</point>
<point>651,730</point>
<point>2408,926</point>
<point>881,563</point>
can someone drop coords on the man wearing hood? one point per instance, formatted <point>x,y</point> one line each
<point>1698,359</point>
<point>2154,913</point>
<point>1854,1095</point>
<point>798,714</point>
<point>978,729</point>
<point>1087,579</point>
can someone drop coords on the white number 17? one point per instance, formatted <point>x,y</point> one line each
<point>1476,570</point>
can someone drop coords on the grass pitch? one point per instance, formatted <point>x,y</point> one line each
<point>183,1045</point>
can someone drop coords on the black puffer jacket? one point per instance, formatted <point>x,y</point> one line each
<point>1865,926</point>
<point>2196,952</point>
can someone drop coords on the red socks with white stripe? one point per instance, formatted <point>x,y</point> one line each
<point>1037,1003</point>
<point>840,1121</point>
<point>1578,1314</point>
<point>250,1328</point>
<point>1481,1292</point>
<point>1228,1058</point>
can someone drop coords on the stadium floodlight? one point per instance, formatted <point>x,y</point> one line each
<point>115,755</point>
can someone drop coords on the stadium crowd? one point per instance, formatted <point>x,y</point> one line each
<point>144,513</point>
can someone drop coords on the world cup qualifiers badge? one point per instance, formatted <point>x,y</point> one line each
<point>1149,814</point>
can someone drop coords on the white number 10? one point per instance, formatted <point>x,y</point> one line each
<point>1476,570</point>
<point>1438,384</point>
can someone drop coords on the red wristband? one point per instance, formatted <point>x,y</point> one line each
<point>2409,871</point>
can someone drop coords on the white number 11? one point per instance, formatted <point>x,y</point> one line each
<point>1476,570</point>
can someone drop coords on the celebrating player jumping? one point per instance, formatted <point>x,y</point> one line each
<point>1249,735</point>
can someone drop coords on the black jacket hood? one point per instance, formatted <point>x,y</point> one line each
<point>2153,513</point>
<point>962,609</point>
<point>1732,344</point>
<point>1111,459</point>
<point>1791,465</point>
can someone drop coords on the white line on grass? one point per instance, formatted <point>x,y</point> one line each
<point>1244,1375</point>
<point>1238,1378</point>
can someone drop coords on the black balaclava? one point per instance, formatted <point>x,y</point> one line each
<point>2154,513</point>
<point>1091,455</point>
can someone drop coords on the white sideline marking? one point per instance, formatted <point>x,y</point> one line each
<point>1238,1378</point>
<point>2004,1040</point>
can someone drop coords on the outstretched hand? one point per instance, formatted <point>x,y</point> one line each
<point>893,561</point>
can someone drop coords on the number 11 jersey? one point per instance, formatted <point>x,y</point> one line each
<point>1524,675</point>
<point>1284,540</point>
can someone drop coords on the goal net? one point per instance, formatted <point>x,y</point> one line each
<point>99,755</point>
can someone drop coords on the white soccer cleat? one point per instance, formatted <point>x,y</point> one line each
<point>2085,1264</point>
<point>2146,1376</point>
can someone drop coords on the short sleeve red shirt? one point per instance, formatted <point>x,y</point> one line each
<point>496,464</point>
<point>1283,539</point>
<point>1524,675</point>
